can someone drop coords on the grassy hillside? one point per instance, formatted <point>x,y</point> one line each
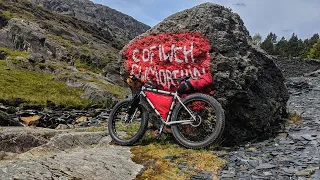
<point>31,88</point>
<point>71,50</point>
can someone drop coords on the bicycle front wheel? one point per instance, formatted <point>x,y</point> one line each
<point>124,128</point>
<point>207,126</point>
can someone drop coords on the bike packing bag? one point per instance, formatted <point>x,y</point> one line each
<point>195,84</point>
<point>161,103</point>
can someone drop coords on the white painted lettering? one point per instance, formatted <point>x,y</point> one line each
<point>175,54</point>
<point>186,52</point>
<point>170,55</point>
<point>144,52</point>
<point>169,78</point>
<point>151,53</point>
<point>196,72</point>
<point>162,77</point>
<point>134,55</point>
<point>134,67</point>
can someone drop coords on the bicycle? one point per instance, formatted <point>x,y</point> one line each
<point>196,121</point>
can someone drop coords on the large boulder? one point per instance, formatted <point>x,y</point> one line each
<point>211,38</point>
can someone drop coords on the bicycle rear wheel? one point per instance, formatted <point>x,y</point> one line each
<point>125,128</point>
<point>208,126</point>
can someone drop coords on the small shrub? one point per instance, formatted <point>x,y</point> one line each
<point>295,117</point>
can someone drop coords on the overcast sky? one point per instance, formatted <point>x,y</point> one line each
<point>282,17</point>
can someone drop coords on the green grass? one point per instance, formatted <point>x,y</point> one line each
<point>119,91</point>
<point>85,67</point>
<point>155,155</point>
<point>165,159</point>
<point>91,129</point>
<point>106,57</point>
<point>96,129</point>
<point>30,88</point>
<point>13,11</point>
<point>12,53</point>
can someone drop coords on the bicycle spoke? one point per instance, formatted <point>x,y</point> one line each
<point>201,132</point>
<point>127,128</point>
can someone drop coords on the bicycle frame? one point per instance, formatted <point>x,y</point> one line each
<point>175,97</point>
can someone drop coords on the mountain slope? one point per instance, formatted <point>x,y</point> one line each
<point>119,25</point>
<point>72,50</point>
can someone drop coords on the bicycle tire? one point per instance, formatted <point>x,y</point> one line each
<point>112,124</point>
<point>215,135</point>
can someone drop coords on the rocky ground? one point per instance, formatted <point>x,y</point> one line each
<point>294,153</point>
<point>66,153</point>
<point>63,154</point>
<point>54,118</point>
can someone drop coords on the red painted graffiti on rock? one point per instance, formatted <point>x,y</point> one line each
<point>165,56</point>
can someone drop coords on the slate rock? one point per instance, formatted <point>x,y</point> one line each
<point>265,166</point>
<point>202,176</point>
<point>7,120</point>
<point>316,175</point>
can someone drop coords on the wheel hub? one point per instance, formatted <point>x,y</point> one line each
<point>197,121</point>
